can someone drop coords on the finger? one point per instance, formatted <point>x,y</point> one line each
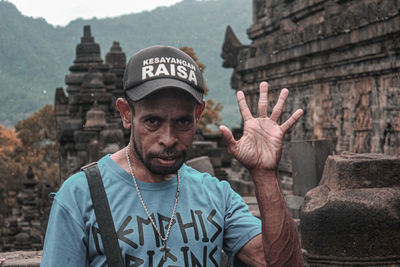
<point>263,100</point>
<point>228,136</point>
<point>278,109</point>
<point>292,120</point>
<point>244,109</point>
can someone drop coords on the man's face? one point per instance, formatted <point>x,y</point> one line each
<point>163,127</point>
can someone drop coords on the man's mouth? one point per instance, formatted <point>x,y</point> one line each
<point>166,161</point>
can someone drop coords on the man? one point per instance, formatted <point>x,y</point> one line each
<point>166,213</point>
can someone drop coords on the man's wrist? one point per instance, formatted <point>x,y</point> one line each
<point>262,176</point>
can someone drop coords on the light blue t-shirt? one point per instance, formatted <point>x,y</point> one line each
<point>210,217</point>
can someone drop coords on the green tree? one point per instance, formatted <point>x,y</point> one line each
<point>211,114</point>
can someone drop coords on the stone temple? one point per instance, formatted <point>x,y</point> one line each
<point>88,123</point>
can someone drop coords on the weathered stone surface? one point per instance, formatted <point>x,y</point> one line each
<point>22,258</point>
<point>87,51</point>
<point>116,59</point>
<point>95,118</point>
<point>230,49</point>
<point>202,164</point>
<point>294,203</point>
<point>353,171</point>
<point>242,187</point>
<point>308,160</point>
<point>252,203</point>
<point>358,223</point>
<point>24,229</point>
<point>352,217</point>
<point>22,241</point>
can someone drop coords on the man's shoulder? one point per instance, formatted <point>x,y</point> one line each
<point>74,187</point>
<point>78,181</point>
<point>204,179</point>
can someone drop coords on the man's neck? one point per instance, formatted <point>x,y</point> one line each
<point>139,169</point>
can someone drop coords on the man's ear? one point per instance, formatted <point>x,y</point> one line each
<point>199,110</point>
<point>125,112</point>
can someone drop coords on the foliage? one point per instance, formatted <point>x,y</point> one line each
<point>10,165</point>
<point>192,54</point>
<point>211,114</point>
<point>35,55</point>
<point>8,140</point>
<point>10,169</point>
<point>32,143</point>
<point>39,147</point>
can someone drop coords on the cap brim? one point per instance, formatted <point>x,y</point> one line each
<point>141,91</point>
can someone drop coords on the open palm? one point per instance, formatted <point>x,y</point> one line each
<point>260,147</point>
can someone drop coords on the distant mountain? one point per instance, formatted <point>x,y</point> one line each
<point>35,56</point>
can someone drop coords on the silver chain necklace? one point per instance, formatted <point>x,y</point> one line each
<point>164,249</point>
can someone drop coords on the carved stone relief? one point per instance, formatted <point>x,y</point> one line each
<point>362,120</point>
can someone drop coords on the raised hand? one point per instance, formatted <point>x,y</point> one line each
<point>260,147</point>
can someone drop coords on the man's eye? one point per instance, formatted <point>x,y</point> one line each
<point>152,122</point>
<point>184,123</point>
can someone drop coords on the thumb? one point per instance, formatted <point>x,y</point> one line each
<point>228,136</point>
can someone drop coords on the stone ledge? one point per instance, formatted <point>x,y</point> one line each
<point>21,258</point>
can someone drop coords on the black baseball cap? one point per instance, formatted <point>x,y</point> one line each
<point>159,67</point>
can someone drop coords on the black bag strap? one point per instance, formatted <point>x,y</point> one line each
<point>103,215</point>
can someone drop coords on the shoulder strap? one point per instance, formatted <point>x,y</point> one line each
<point>103,216</point>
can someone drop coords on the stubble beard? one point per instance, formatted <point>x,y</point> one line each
<point>161,170</point>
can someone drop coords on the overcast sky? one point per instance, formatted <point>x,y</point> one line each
<point>61,12</point>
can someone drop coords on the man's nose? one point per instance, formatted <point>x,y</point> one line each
<point>168,137</point>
